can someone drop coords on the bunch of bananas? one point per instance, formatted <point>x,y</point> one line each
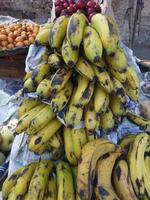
<point>87,74</point>
<point>107,171</point>
<point>39,180</point>
<point>6,138</point>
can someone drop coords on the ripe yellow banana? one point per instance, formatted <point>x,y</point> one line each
<point>51,189</point>
<point>118,61</point>
<point>42,37</point>
<point>58,32</point>
<point>133,94</point>
<point>120,76</point>
<point>91,120</point>
<point>40,72</point>
<point>122,181</point>
<point>103,79</point>
<point>83,92</point>
<point>27,76</point>
<point>79,139</point>
<point>69,150</point>
<point>116,105</point>
<point>85,69</point>
<point>127,140</point>
<point>90,154</point>
<point>101,100</point>
<point>69,55</point>
<point>40,120</point>
<point>43,89</point>
<point>26,105</point>
<point>60,100</point>
<point>44,134</point>
<point>56,140</point>
<point>9,183</point>
<point>39,180</point>
<point>24,121</point>
<point>147,168</point>
<point>92,45</point>
<point>55,61</point>
<point>65,182</point>
<point>75,29</point>
<point>73,116</point>
<point>23,180</point>
<point>108,32</point>
<point>118,90</point>
<point>107,120</point>
<point>135,162</point>
<point>140,121</point>
<point>132,78</point>
<point>29,86</point>
<point>60,79</point>
<point>11,195</point>
<point>104,168</point>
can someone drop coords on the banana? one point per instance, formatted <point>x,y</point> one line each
<point>44,135</point>
<point>91,120</point>
<point>83,92</point>
<point>127,140</point>
<point>75,30</point>
<point>27,76</point>
<point>40,120</point>
<point>60,100</point>
<point>108,32</point>
<point>140,121</point>
<point>103,79</point>
<point>84,68</point>
<point>43,89</point>
<point>60,79</point>
<point>135,162</point>
<point>118,61</point>
<point>56,140</point>
<point>92,45</point>
<point>9,183</point>
<point>73,116</point>
<point>11,195</point>
<point>40,72</point>
<point>104,168</point>
<point>133,94</point>
<point>23,180</point>
<point>24,121</point>
<point>29,86</point>
<point>122,181</point>
<point>101,100</point>
<point>69,55</point>
<point>51,189</point>
<point>69,150</point>
<point>117,107</point>
<point>65,182</point>
<point>58,32</point>
<point>118,90</point>
<point>55,61</point>
<point>2,158</point>
<point>132,78</point>
<point>107,120</point>
<point>26,105</point>
<point>39,180</point>
<point>90,154</point>
<point>147,168</point>
<point>79,139</point>
<point>42,37</point>
<point>119,75</point>
<point>57,153</point>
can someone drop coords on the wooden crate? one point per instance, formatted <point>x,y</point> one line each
<point>12,64</point>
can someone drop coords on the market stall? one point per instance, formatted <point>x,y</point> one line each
<point>77,120</point>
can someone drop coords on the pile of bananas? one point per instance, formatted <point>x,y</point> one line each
<point>87,74</point>
<point>105,171</point>
<point>6,139</point>
<point>40,181</point>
